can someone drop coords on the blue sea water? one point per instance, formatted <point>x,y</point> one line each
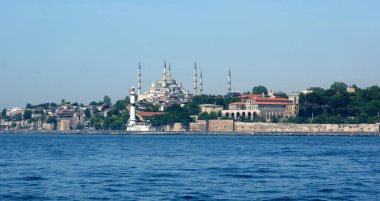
<point>178,167</point>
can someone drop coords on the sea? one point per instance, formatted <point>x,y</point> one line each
<point>188,167</point>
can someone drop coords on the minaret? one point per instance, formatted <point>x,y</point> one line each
<point>200,84</point>
<point>165,80</point>
<point>165,71</point>
<point>229,82</point>
<point>195,79</point>
<point>170,71</point>
<point>139,83</point>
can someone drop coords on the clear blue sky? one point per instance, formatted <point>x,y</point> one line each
<point>82,50</point>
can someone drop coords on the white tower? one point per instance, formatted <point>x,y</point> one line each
<point>200,84</point>
<point>229,82</point>
<point>139,83</point>
<point>195,79</point>
<point>132,110</point>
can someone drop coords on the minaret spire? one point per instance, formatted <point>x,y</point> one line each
<point>229,81</point>
<point>139,83</point>
<point>165,72</point>
<point>165,80</point>
<point>200,84</point>
<point>195,79</point>
<point>170,71</point>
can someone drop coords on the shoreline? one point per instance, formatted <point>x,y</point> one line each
<point>92,132</point>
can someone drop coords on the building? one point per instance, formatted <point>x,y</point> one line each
<point>295,97</point>
<point>165,90</point>
<point>311,89</point>
<point>14,111</point>
<point>144,115</point>
<point>351,90</point>
<point>208,108</point>
<point>64,124</point>
<point>255,105</point>
<point>36,115</point>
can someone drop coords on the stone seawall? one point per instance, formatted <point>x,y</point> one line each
<point>243,127</point>
<point>221,126</point>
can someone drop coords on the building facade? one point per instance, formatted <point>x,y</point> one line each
<point>254,106</point>
<point>208,108</point>
<point>164,90</point>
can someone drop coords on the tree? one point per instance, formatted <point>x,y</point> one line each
<point>192,108</point>
<point>27,114</point>
<point>339,86</point>
<point>4,113</point>
<point>87,113</point>
<point>107,100</point>
<point>175,114</point>
<point>93,103</point>
<point>17,117</point>
<point>13,125</point>
<point>79,127</point>
<point>206,116</point>
<point>259,90</point>
<point>118,124</point>
<point>120,105</point>
<point>51,120</point>
<point>274,119</point>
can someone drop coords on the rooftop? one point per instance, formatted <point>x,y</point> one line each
<point>149,114</point>
<point>210,105</point>
<point>237,103</point>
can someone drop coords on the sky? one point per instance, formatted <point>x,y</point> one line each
<point>81,50</point>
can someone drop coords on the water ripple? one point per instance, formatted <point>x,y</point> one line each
<point>120,167</point>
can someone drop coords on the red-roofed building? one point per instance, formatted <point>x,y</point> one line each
<point>237,106</point>
<point>248,96</point>
<point>256,105</point>
<point>143,115</point>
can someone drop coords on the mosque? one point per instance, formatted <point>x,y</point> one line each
<point>168,90</point>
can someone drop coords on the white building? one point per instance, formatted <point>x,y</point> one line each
<point>165,89</point>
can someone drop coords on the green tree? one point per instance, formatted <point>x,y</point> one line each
<point>93,103</point>
<point>27,114</point>
<point>206,116</point>
<point>339,86</point>
<point>120,105</point>
<point>259,90</point>
<point>107,100</point>
<point>274,119</point>
<point>87,113</point>
<point>79,127</point>
<point>175,114</point>
<point>51,120</point>
<point>13,125</point>
<point>192,108</point>
<point>4,113</point>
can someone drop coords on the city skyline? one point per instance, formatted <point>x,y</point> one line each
<point>47,55</point>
